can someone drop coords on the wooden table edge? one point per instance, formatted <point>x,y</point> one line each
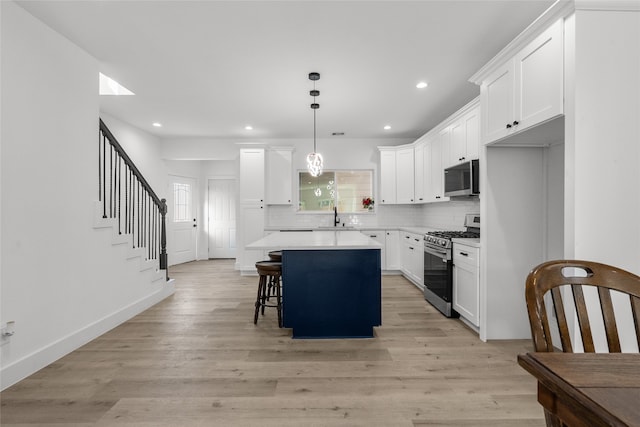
<point>559,387</point>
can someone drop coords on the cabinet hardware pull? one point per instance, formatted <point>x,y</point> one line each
<point>437,197</point>
<point>508,126</point>
<point>464,254</point>
<point>420,198</point>
<point>410,248</point>
<point>516,123</point>
<point>373,235</point>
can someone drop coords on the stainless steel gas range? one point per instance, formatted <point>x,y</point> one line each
<point>438,264</point>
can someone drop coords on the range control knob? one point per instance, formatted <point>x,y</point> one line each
<point>443,242</point>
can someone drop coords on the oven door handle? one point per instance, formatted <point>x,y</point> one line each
<point>435,252</point>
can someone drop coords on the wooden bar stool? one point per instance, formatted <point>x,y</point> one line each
<point>269,272</point>
<point>275,256</point>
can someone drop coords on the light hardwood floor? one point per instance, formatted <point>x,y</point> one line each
<point>196,359</point>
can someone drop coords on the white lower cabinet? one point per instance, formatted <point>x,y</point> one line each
<point>412,257</point>
<point>252,222</point>
<point>390,254</point>
<point>392,244</point>
<point>466,282</point>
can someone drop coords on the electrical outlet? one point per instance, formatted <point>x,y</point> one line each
<point>7,331</point>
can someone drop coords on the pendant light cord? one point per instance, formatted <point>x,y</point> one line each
<point>314,119</point>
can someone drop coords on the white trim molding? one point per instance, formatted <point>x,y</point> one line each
<point>559,10</point>
<point>31,363</point>
<point>610,5</point>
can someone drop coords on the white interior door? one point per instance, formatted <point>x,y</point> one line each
<point>222,218</point>
<point>181,220</point>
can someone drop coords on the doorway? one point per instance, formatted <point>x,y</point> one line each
<point>222,218</point>
<point>181,220</point>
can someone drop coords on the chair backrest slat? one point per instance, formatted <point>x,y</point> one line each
<point>563,328</point>
<point>635,310</point>
<point>609,320</point>
<point>583,319</point>
<point>551,275</point>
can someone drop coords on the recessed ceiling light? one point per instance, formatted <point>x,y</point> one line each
<point>157,125</point>
<point>387,127</point>
<point>422,85</point>
<point>108,86</point>
<point>248,127</point>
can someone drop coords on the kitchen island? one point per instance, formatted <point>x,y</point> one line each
<point>331,282</point>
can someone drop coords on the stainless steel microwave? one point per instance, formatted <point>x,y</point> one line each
<point>462,179</point>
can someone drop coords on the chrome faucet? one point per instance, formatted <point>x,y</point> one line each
<point>336,220</point>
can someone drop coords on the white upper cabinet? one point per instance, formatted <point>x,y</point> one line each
<point>405,184</point>
<point>539,68</point>
<point>472,132</point>
<point>437,153</point>
<point>527,90</point>
<point>252,175</point>
<point>387,175</point>
<point>414,173</point>
<point>419,173</point>
<point>464,138</point>
<point>279,176</point>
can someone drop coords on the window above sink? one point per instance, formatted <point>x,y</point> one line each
<point>344,189</point>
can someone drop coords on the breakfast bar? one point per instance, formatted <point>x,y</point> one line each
<point>331,282</point>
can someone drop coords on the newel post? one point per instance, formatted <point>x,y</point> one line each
<point>163,238</point>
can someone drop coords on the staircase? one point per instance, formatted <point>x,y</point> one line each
<point>130,208</point>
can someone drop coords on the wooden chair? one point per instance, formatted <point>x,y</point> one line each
<point>550,276</point>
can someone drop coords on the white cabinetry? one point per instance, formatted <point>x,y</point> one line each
<point>392,248</point>
<point>279,176</point>
<point>414,173</point>
<point>466,282</point>
<point>419,172</point>
<point>251,212</point>
<point>527,90</point>
<point>464,138</point>
<point>252,175</point>
<point>412,257</point>
<point>405,175</point>
<point>436,171</point>
<point>387,175</point>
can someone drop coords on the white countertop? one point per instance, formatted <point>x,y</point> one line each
<point>329,239</point>
<point>363,228</point>
<point>469,242</point>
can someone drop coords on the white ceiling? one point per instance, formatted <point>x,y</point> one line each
<point>209,68</point>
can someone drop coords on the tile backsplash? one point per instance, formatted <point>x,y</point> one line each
<point>446,215</point>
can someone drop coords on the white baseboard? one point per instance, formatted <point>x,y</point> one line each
<point>37,360</point>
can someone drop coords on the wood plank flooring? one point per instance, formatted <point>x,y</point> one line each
<point>197,359</point>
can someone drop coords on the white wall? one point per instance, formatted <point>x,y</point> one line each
<point>606,145</point>
<point>143,148</point>
<point>607,138</point>
<point>450,215</point>
<point>62,281</point>
<point>512,237</point>
<point>554,201</point>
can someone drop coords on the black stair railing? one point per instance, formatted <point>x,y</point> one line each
<point>127,197</point>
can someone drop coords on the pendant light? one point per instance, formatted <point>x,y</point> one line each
<point>314,159</point>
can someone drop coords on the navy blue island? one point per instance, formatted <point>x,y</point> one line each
<point>331,282</point>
